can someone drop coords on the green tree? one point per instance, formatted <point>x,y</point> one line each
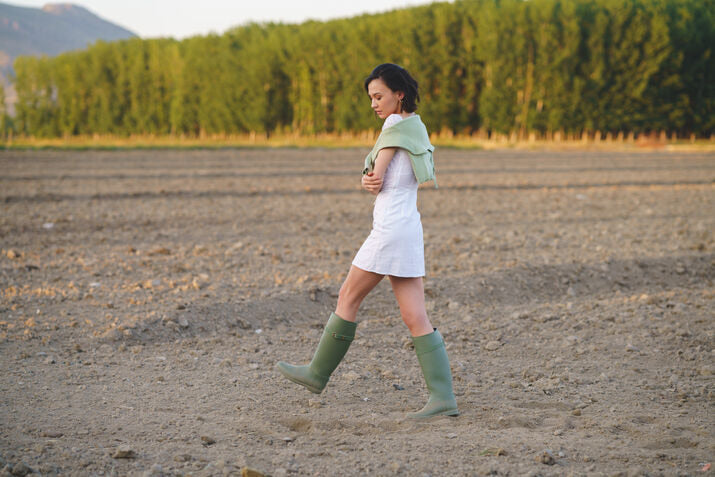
<point>506,66</point>
<point>4,117</point>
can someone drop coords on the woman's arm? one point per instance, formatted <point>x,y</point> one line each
<point>372,181</point>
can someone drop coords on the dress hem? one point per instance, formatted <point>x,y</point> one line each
<point>387,274</point>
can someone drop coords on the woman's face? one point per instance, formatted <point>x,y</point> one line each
<point>384,101</point>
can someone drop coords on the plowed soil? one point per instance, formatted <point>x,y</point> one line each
<point>147,295</point>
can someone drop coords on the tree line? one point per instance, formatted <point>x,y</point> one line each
<point>519,67</point>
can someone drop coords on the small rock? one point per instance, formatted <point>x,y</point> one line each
<point>53,434</point>
<point>315,403</point>
<point>451,435</point>
<point>287,439</point>
<point>388,374</point>
<point>198,283</point>
<point>160,251</point>
<point>351,376</point>
<point>182,457</point>
<point>492,346</point>
<point>48,225</point>
<point>155,470</point>
<point>558,432</point>
<point>547,318</point>
<point>648,299</point>
<point>398,387</point>
<point>235,246</point>
<point>248,472</point>
<point>21,470</point>
<point>571,340</point>
<point>11,254</point>
<point>124,452</point>
<point>149,284</point>
<point>546,457</point>
<point>184,323</point>
<point>199,250</point>
<point>576,412</point>
<point>242,323</point>
<point>497,451</point>
<point>632,349</point>
<point>207,441</point>
<point>112,334</point>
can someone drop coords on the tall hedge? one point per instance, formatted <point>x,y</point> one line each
<point>498,66</point>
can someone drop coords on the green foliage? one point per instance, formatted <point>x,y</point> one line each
<point>504,66</point>
<point>5,123</point>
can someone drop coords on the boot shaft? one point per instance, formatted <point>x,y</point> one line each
<point>334,343</point>
<point>433,359</point>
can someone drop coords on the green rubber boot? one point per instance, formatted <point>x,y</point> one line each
<point>334,343</point>
<point>435,367</point>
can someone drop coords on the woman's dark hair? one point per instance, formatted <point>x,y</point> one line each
<point>397,79</point>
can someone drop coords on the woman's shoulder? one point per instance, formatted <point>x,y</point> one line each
<point>391,120</point>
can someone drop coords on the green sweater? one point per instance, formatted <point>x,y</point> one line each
<point>411,135</point>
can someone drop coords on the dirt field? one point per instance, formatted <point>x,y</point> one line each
<point>147,295</point>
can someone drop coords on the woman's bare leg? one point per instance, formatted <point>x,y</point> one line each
<point>410,296</point>
<point>355,288</point>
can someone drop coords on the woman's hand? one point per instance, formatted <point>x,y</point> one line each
<point>372,183</point>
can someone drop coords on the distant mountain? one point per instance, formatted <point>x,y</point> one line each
<point>51,30</point>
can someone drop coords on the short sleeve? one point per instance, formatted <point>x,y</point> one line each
<point>391,119</point>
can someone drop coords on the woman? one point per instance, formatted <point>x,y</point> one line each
<point>399,162</point>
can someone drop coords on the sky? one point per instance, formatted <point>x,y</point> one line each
<point>183,18</point>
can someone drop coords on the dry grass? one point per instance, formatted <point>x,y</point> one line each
<point>365,139</point>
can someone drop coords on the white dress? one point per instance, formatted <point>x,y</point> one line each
<point>395,245</point>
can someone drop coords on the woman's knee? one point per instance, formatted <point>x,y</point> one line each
<point>415,317</point>
<point>418,323</point>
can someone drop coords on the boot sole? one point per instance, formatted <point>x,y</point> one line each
<point>450,413</point>
<point>310,388</point>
